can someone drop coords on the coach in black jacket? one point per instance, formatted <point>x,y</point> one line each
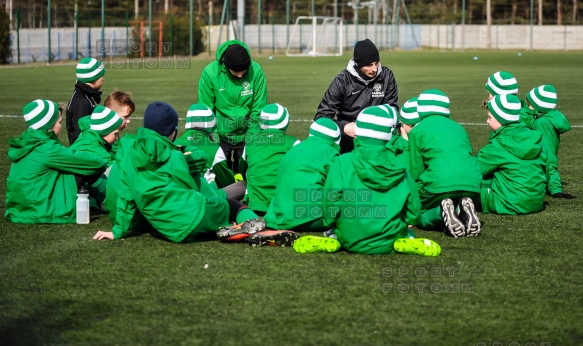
<point>363,83</point>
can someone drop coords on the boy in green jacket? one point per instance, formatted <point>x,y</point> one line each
<point>262,155</point>
<point>511,164</point>
<point>41,184</point>
<point>551,123</point>
<point>443,168</point>
<point>157,187</point>
<point>299,185</point>
<point>200,132</point>
<point>408,118</point>
<point>369,198</point>
<point>97,138</point>
<point>234,88</point>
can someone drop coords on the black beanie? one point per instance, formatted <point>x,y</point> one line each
<point>237,58</point>
<point>161,117</point>
<point>365,52</point>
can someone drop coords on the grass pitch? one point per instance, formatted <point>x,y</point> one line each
<point>519,282</point>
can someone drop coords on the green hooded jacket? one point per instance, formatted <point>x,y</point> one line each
<point>299,185</point>
<point>156,181</point>
<point>113,185</point>
<point>370,200</point>
<point>400,147</point>
<point>513,171</point>
<point>236,102</point>
<point>258,165</point>
<point>217,162</point>
<point>441,157</point>
<point>41,184</point>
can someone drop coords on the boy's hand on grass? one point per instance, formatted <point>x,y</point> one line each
<point>100,235</point>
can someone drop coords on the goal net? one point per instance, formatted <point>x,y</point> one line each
<point>316,36</point>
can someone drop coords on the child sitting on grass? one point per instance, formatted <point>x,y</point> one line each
<point>511,165</point>
<point>41,185</point>
<point>369,198</point>
<point>551,123</point>
<point>262,154</point>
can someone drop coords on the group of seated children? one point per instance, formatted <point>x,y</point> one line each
<point>412,167</point>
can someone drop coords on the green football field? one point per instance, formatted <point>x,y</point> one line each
<point>519,283</point>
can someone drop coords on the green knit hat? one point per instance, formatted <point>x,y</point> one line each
<point>408,114</point>
<point>326,129</point>
<point>376,123</point>
<point>89,70</point>
<point>432,102</point>
<point>41,114</point>
<point>502,83</point>
<point>104,121</point>
<point>274,116</point>
<point>505,108</point>
<point>543,98</point>
<point>200,116</point>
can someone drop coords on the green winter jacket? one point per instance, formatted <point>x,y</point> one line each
<point>217,169</point>
<point>299,185</point>
<point>123,146</point>
<point>155,180</point>
<point>400,147</point>
<point>258,165</point>
<point>236,102</point>
<point>441,157</point>
<point>513,171</point>
<point>41,184</point>
<point>370,200</point>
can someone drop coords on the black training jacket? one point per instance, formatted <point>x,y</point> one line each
<point>82,102</point>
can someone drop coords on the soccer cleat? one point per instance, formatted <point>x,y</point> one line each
<point>311,243</point>
<point>235,233</point>
<point>330,234</point>
<point>453,226</point>
<point>417,246</point>
<point>273,238</point>
<point>468,217</point>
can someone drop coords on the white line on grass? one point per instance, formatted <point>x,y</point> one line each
<point>294,120</point>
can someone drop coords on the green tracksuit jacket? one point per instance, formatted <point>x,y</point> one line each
<point>156,181</point>
<point>513,171</point>
<point>236,102</point>
<point>41,184</point>
<point>441,157</point>
<point>400,147</point>
<point>370,200</point>
<point>113,185</point>
<point>217,162</point>
<point>261,157</point>
<point>299,185</point>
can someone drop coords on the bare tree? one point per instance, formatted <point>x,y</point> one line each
<point>559,13</point>
<point>540,12</point>
<point>574,12</point>
<point>514,9</point>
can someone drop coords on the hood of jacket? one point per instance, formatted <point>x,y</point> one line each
<point>151,150</point>
<point>28,140</point>
<point>558,119</point>
<point>223,47</point>
<point>352,70</point>
<point>376,166</point>
<point>520,141</point>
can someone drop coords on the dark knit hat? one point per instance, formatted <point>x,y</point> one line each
<point>161,117</point>
<point>365,52</point>
<point>237,58</point>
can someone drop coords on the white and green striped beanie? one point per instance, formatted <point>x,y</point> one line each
<point>432,102</point>
<point>104,121</point>
<point>502,83</point>
<point>543,98</point>
<point>325,129</point>
<point>408,113</point>
<point>274,116</point>
<point>41,114</point>
<point>200,116</point>
<point>505,108</point>
<point>376,123</point>
<point>89,70</point>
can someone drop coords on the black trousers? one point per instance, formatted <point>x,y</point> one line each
<point>233,153</point>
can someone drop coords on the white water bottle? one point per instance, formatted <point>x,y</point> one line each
<point>82,206</point>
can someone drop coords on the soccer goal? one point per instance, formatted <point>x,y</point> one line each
<point>316,36</point>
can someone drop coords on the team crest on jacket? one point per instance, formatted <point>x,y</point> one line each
<point>377,90</point>
<point>246,91</point>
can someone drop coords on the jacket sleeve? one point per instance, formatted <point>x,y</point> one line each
<point>73,162</point>
<point>551,169</point>
<point>259,101</point>
<point>416,165</point>
<point>391,93</point>
<point>413,209</point>
<point>331,207</point>
<point>489,159</point>
<point>206,92</point>
<point>126,209</point>
<point>332,100</point>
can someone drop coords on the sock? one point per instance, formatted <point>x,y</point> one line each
<point>244,215</point>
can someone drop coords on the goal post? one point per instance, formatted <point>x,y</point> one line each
<point>316,36</point>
